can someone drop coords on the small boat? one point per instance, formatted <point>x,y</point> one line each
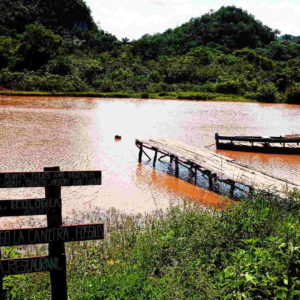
<point>288,144</point>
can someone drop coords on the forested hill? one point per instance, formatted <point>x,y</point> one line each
<point>62,16</point>
<point>227,29</point>
<point>56,46</point>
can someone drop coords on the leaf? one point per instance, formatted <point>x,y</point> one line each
<point>294,293</point>
<point>250,278</point>
<point>281,293</point>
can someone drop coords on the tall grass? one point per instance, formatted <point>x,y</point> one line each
<point>246,251</point>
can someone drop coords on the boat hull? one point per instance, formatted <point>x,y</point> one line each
<point>259,149</point>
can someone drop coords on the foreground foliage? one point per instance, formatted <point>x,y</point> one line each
<point>247,251</point>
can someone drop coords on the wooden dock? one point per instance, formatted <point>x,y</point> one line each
<point>215,167</point>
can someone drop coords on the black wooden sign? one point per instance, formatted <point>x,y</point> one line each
<point>55,234</point>
<point>43,179</point>
<point>30,265</point>
<point>46,235</point>
<point>30,207</point>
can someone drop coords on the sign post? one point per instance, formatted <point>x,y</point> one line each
<point>55,234</point>
<point>56,249</point>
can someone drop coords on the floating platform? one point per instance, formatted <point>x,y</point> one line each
<point>289,144</point>
<point>215,167</point>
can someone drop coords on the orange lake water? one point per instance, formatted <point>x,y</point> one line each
<point>78,134</point>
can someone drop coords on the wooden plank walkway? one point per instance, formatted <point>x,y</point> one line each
<point>216,166</point>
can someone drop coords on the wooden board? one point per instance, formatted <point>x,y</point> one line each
<point>29,265</point>
<point>28,207</point>
<point>14,237</point>
<point>222,166</point>
<point>49,178</point>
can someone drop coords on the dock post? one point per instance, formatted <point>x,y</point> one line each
<point>176,167</point>
<point>141,152</point>
<point>195,175</point>
<point>171,158</point>
<point>210,182</point>
<point>155,158</point>
<point>232,186</point>
<point>251,190</point>
<point>217,140</point>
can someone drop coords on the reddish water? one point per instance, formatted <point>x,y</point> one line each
<point>78,134</point>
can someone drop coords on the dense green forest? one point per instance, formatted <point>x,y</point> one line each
<point>57,47</point>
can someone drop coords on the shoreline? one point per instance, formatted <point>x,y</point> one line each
<point>198,96</point>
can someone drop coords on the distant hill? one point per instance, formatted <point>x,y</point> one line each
<point>229,28</point>
<point>61,16</point>
<point>54,45</point>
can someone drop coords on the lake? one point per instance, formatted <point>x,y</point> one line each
<point>78,134</point>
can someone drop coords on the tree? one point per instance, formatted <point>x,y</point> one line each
<point>7,46</point>
<point>37,46</point>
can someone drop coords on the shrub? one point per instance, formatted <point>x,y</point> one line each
<point>59,66</point>
<point>11,80</point>
<point>267,92</point>
<point>51,83</point>
<point>246,251</point>
<point>252,96</point>
<point>145,95</point>
<point>293,93</point>
<point>228,87</point>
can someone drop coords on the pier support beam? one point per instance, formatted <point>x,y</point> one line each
<point>210,182</point>
<point>171,158</point>
<point>217,140</point>
<point>232,187</point>
<point>162,157</point>
<point>140,153</point>
<point>155,158</point>
<point>176,167</point>
<point>195,175</point>
<point>251,190</point>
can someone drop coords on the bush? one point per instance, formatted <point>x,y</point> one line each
<point>11,80</point>
<point>145,95</point>
<point>252,96</point>
<point>246,251</point>
<point>60,66</point>
<point>52,83</point>
<point>228,87</point>
<point>293,93</point>
<point>266,92</point>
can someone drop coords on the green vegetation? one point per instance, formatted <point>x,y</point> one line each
<point>246,251</point>
<point>145,95</point>
<point>227,51</point>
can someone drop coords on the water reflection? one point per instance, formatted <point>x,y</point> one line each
<point>159,182</point>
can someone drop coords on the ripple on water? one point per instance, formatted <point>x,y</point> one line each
<point>78,134</point>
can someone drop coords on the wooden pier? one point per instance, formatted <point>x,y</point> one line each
<point>215,167</point>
